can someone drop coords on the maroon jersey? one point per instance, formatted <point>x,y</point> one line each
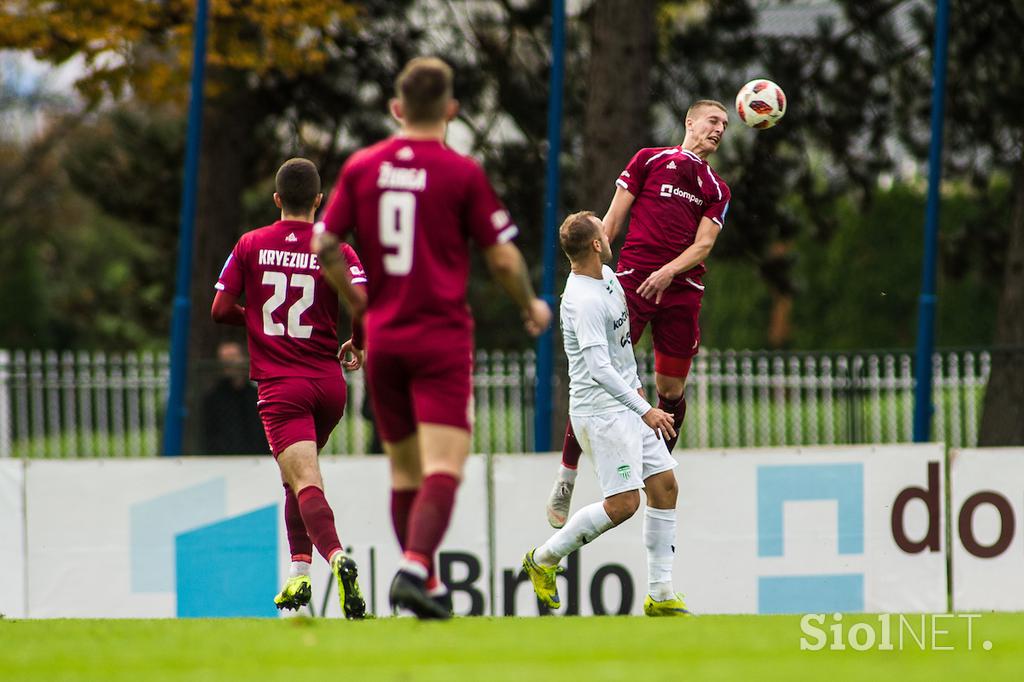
<point>414,206</point>
<point>291,312</point>
<point>674,189</point>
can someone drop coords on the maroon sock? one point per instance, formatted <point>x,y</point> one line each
<point>299,543</point>
<point>319,520</point>
<point>429,517</point>
<point>401,506</point>
<point>571,449</point>
<point>677,408</point>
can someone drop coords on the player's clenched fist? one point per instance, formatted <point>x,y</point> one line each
<point>661,422</point>
<point>537,317</point>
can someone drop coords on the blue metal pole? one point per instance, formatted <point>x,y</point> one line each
<point>545,350</point>
<point>174,419</point>
<point>923,408</point>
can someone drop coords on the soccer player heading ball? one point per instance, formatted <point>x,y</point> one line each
<point>675,205</point>
<point>291,320</point>
<point>613,421</point>
<point>414,206</point>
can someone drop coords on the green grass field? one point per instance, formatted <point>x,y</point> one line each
<point>607,648</point>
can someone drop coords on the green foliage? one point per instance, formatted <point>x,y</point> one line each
<point>860,289</point>
<point>89,223</point>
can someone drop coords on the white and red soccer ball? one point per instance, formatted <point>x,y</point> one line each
<point>761,103</point>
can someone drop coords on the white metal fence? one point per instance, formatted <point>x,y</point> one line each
<point>111,404</point>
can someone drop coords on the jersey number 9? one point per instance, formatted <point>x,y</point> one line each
<point>397,220</point>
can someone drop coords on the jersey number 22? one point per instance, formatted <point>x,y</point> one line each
<point>279,281</point>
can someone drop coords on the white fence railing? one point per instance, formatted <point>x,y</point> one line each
<point>111,404</point>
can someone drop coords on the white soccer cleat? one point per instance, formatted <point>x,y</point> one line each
<point>558,503</point>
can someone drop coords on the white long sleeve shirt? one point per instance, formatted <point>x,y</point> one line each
<point>595,332</point>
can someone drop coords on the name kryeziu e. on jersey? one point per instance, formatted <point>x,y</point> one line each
<point>289,259</point>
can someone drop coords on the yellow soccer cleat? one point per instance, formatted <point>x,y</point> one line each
<point>295,594</point>
<point>669,608</point>
<point>543,579</point>
<point>351,597</point>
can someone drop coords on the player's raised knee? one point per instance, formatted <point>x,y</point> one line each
<point>622,506</point>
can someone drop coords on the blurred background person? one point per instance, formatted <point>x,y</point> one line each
<point>231,425</point>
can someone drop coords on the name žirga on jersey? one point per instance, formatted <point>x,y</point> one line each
<point>393,177</point>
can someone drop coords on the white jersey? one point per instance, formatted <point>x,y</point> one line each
<point>593,313</point>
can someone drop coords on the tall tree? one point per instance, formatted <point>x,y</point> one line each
<point>269,62</point>
<point>617,112</point>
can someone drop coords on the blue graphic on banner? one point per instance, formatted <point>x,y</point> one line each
<point>181,543</point>
<point>154,524</point>
<point>777,485</point>
<point>810,593</point>
<point>229,568</point>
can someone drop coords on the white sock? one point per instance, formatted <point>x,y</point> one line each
<point>581,528</point>
<point>659,538</point>
<point>413,567</point>
<point>566,474</point>
<point>298,568</point>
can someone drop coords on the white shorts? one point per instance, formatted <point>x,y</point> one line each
<point>626,451</point>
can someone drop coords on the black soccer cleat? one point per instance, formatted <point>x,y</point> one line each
<point>410,592</point>
<point>444,601</point>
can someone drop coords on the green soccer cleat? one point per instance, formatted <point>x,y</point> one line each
<point>295,594</point>
<point>349,594</point>
<point>543,579</point>
<point>674,607</point>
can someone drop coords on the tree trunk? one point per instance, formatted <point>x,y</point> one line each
<point>1002,421</point>
<point>229,123</point>
<point>617,118</point>
<point>616,123</point>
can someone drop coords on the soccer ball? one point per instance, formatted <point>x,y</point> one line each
<point>761,103</point>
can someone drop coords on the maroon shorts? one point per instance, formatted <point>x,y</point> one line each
<point>674,324</point>
<point>419,387</point>
<point>294,409</point>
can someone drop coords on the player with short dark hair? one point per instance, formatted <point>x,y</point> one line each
<point>675,205</point>
<point>297,183</point>
<point>291,318</point>
<point>415,207</point>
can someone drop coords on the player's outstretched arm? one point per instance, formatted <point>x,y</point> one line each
<point>508,267</point>
<point>617,217</point>
<point>225,309</point>
<point>335,268</point>
<point>655,285</point>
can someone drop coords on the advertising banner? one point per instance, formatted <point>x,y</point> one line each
<point>12,539</point>
<point>986,508</point>
<point>760,531</point>
<point>205,537</point>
